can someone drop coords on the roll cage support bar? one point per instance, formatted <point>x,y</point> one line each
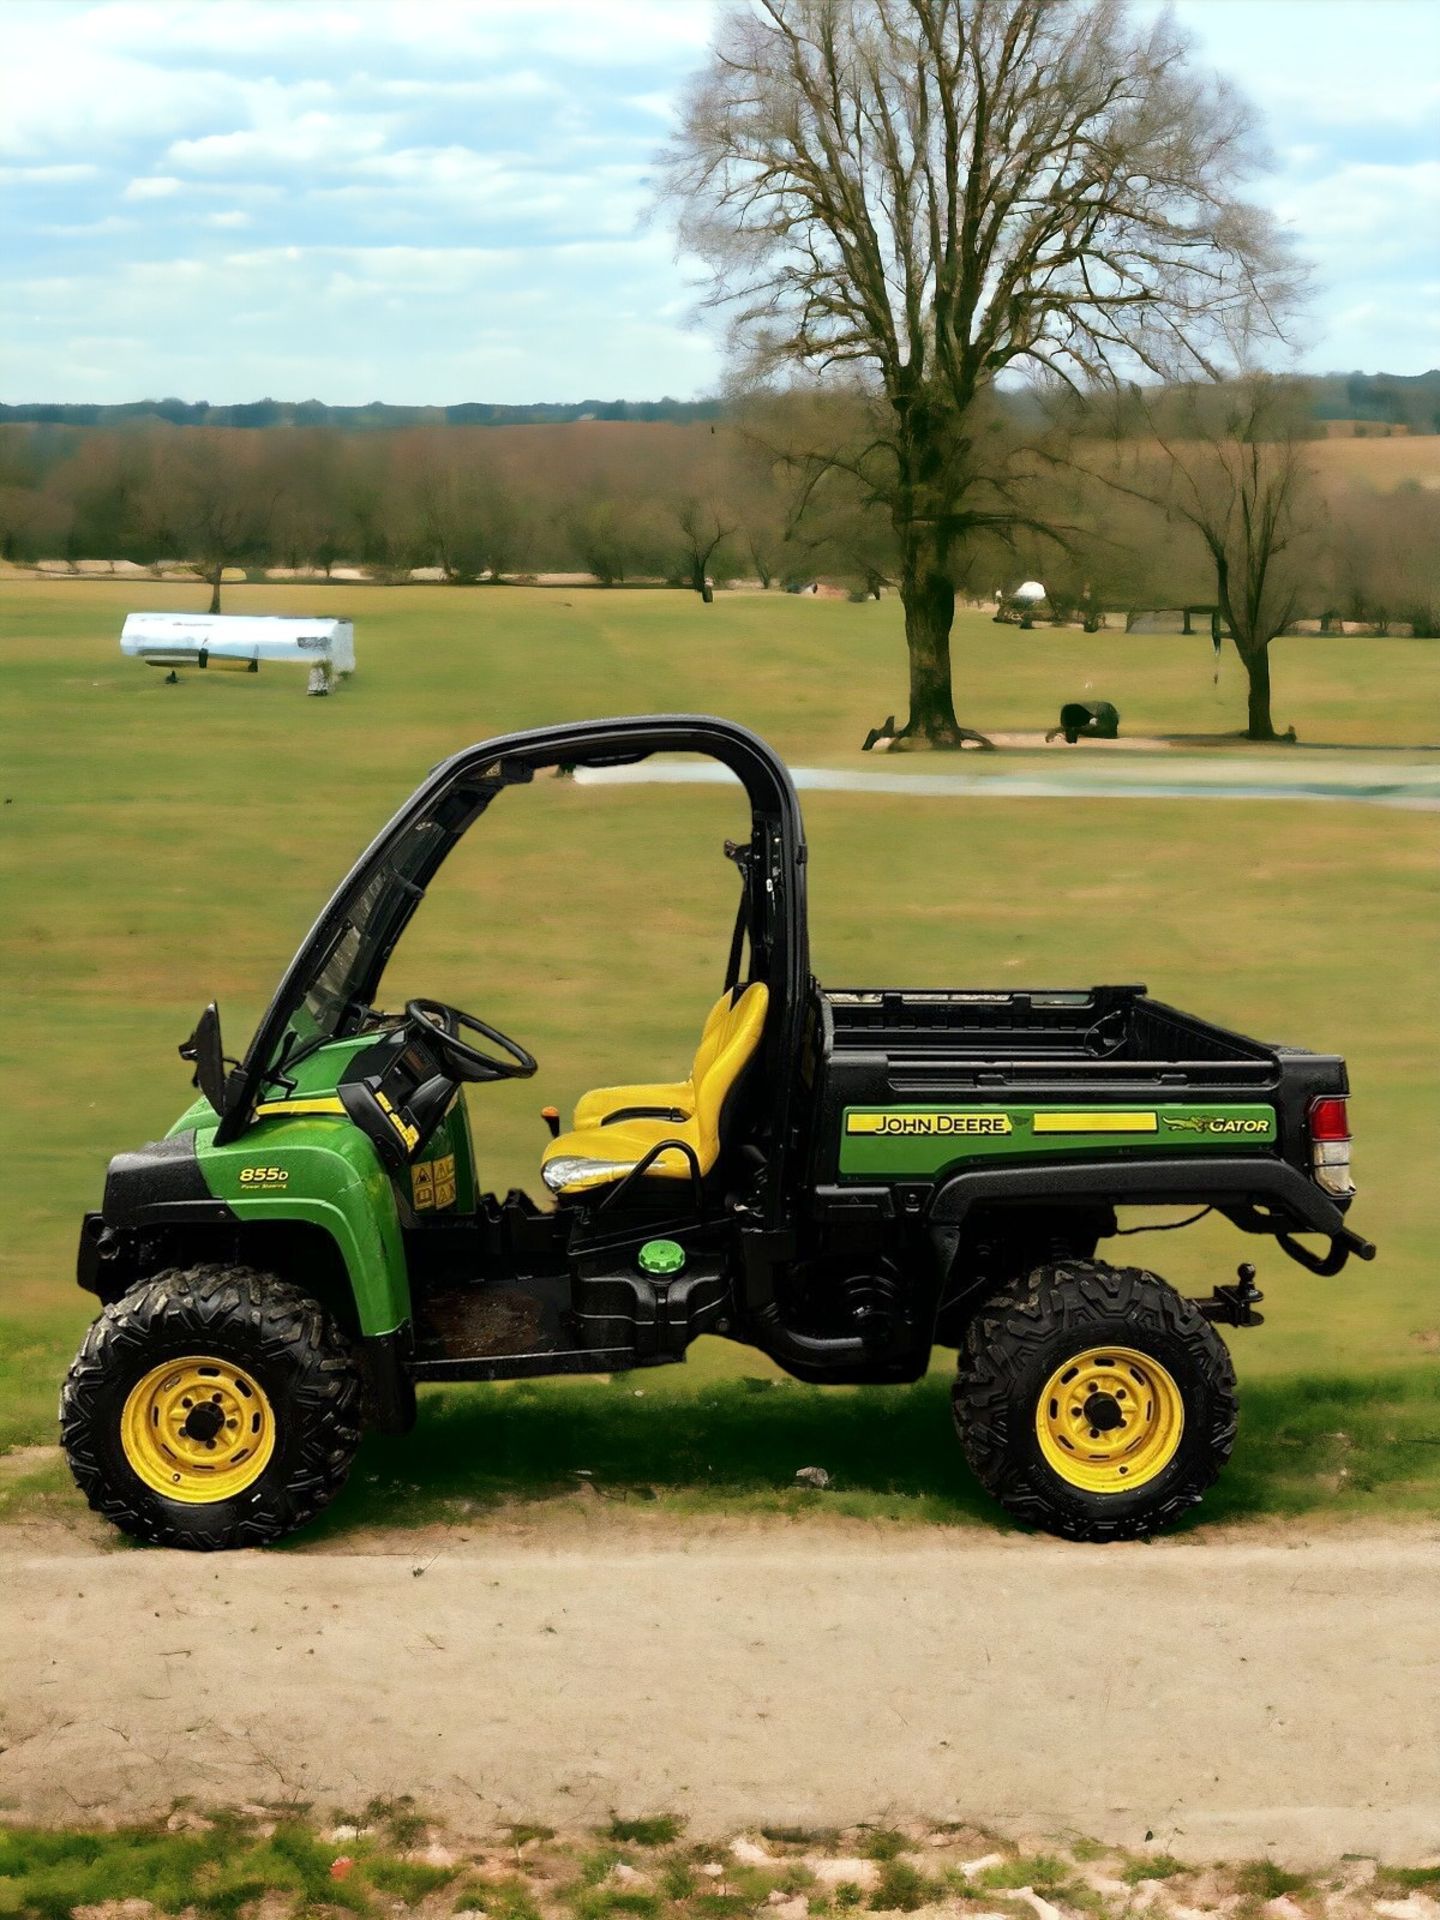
<point>374,903</point>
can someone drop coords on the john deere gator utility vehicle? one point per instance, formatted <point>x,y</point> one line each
<point>843,1179</point>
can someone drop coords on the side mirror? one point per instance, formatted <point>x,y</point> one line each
<point>203,1048</point>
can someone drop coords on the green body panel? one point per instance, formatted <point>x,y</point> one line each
<point>321,1170</point>
<point>922,1141</point>
<point>321,1071</point>
<point>315,1077</point>
<point>200,1114</point>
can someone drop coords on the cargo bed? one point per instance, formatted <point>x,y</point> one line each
<point>1105,1035</point>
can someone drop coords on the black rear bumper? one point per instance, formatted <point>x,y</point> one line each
<point>1256,1193</point>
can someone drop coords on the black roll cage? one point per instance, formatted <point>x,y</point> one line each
<point>377,898</point>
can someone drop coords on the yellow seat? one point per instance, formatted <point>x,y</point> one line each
<point>595,1156</point>
<point>594,1108</point>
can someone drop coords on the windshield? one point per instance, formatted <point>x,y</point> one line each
<point>370,925</point>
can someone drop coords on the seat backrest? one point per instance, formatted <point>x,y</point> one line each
<point>737,1039</point>
<point>710,1037</point>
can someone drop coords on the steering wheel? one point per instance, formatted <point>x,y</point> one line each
<point>442,1025</point>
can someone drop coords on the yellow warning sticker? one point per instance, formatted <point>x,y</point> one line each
<point>408,1134</point>
<point>432,1183</point>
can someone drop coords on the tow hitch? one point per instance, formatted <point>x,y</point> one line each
<point>1235,1306</point>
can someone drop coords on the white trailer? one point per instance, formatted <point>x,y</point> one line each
<point>240,641</point>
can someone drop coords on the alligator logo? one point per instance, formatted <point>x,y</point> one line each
<point>1211,1124</point>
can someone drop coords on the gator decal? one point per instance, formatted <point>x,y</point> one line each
<point>914,1142</point>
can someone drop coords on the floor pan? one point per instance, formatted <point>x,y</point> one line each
<point>486,1322</point>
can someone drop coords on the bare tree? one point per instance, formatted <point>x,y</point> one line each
<point>311,526</point>
<point>456,514</point>
<point>609,534</point>
<point>931,194</point>
<point>703,527</point>
<point>808,443</point>
<point>1383,558</point>
<point>33,514</point>
<point>1237,474</point>
<point>210,498</point>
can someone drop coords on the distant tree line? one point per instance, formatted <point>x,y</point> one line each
<point>620,500</point>
<point>1411,401</point>
<point>378,414</point>
<point>1202,496</point>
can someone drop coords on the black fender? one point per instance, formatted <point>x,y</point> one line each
<point>157,1185</point>
<point>161,1181</point>
<point>1257,1194</point>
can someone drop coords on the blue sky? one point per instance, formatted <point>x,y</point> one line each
<point>441,200</point>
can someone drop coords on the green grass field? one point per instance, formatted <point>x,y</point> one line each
<point>165,844</point>
<point>373,1861</point>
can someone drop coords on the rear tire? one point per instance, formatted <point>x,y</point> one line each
<point>1094,1402</point>
<point>212,1407</point>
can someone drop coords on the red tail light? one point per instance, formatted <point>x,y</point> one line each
<point>1330,1144</point>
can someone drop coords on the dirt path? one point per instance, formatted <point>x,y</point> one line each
<point>1228,1698</point>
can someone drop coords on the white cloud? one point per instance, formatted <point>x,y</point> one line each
<point>310,139</point>
<point>1338,63</point>
<point>482,188</point>
<point>63,175</point>
<point>503,323</point>
<point>236,28</point>
<point>447,34</point>
<point>661,105</point>
<point>87,229</point>
<point>1367,210</point>
<point>152,186</point>
<point>62,96</point>
<point>1409,99</point>
<point>521,84</point>
<point>74,83</point>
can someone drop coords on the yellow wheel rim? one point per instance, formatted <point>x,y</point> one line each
<point>198,1429</point>
<point>1109,1419</point>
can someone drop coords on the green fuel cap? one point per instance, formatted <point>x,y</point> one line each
<point>662,1259</point>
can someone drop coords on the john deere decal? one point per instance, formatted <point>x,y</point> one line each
<point>905,1142</point>
<point>909,1123</point>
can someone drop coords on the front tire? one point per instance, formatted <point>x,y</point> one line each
<point>1094,1402</point>
<point>211,1407</point>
